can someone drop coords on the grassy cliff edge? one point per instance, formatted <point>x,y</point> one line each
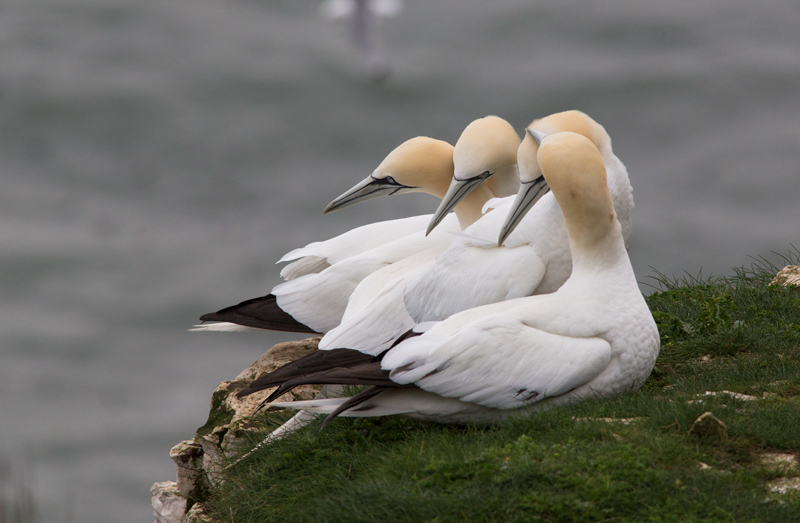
<point>730,347</point>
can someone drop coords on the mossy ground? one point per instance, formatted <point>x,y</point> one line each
<point>571,464</point>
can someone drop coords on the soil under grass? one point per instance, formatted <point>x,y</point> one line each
<point>632,458</point>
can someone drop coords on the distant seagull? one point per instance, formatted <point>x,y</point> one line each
<point>364,18</point>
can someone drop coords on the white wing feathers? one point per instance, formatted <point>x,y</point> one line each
<point>498,363</point>
<point>319,300</point>
<point>374,319</point>
<point>377,406</point>
<point>375,327</point>
<point>491,276</point>
<point>317,256</point>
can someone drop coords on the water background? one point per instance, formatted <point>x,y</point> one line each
<point>158,156</point>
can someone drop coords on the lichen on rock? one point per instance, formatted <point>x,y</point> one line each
<point>709,428</point>
<point>229,419</point>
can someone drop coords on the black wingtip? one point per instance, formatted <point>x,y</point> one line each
<point>353,402</point>
<point>313,363</point>
<point>259,313</point>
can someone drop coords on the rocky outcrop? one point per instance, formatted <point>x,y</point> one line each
<point>708,427</point>
<point>789,275</point>
<point>169,506</point>
<point>199,462</point>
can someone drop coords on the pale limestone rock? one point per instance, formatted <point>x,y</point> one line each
<point>192,481</point>
<point>735,395</point>
<point>624,421</point>
<point>783,485</point>
<point>789,275</point>
<point>780,461</point>
<point>199,462</point>
<point>708,427</point>
<point>225,433</point>
<point>168,504</point>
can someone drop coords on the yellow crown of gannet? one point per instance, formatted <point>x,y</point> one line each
<point>594,337</point>
<point>485,152</point>
<point>315,302</point>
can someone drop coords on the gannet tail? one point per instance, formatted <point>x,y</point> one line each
<point>259,313</point>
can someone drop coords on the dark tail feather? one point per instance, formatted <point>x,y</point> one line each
<point>260,313</point>
<point>355,401</point>
<point>363,374</point>
<point>310,364</point>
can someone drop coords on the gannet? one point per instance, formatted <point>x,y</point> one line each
<point>593,338</point>
<point>473,270</point>
<point>315,302</point>
<point>471,168</point>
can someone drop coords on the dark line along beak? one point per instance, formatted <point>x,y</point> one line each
<point>366,190</point>
<point>529,193</point>
<point>455,193</point>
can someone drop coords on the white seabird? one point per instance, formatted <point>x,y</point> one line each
<point>594,337</point>
<point>314,302</point>
<point>473,270</point>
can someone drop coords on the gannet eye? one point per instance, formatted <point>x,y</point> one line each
<point>391,180</point>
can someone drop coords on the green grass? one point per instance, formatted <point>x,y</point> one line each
<point>736,334</point>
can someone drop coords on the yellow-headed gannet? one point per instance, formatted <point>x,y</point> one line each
<point>592,338</point>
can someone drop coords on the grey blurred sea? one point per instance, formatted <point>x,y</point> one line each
<point>158,156</point>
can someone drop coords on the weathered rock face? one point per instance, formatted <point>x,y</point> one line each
<point>229,422</point>
<point>168,504</point>
<point>789,275</point>
<point>192,480</point>
<point>200,461</point>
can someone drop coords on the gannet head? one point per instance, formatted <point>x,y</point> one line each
<point>575,171</point>
<point>487,148</point>
<point>576,122</point>
<point>532,184</point>
<point>420,164</point>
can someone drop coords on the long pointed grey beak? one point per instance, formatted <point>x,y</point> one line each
<point>455,193</point>
<point>529,193</point>
<point>536,135</point>
<point>365,190</point>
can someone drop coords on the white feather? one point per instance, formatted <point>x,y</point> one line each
<point>317,256</point>
<point>222,326</point>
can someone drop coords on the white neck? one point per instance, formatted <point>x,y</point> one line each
<point>468,210</point>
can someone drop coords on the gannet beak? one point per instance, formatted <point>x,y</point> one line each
<point>455,193</point>
<point>536,135</point>
<point>529,193</point>
<point>366,190</point>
